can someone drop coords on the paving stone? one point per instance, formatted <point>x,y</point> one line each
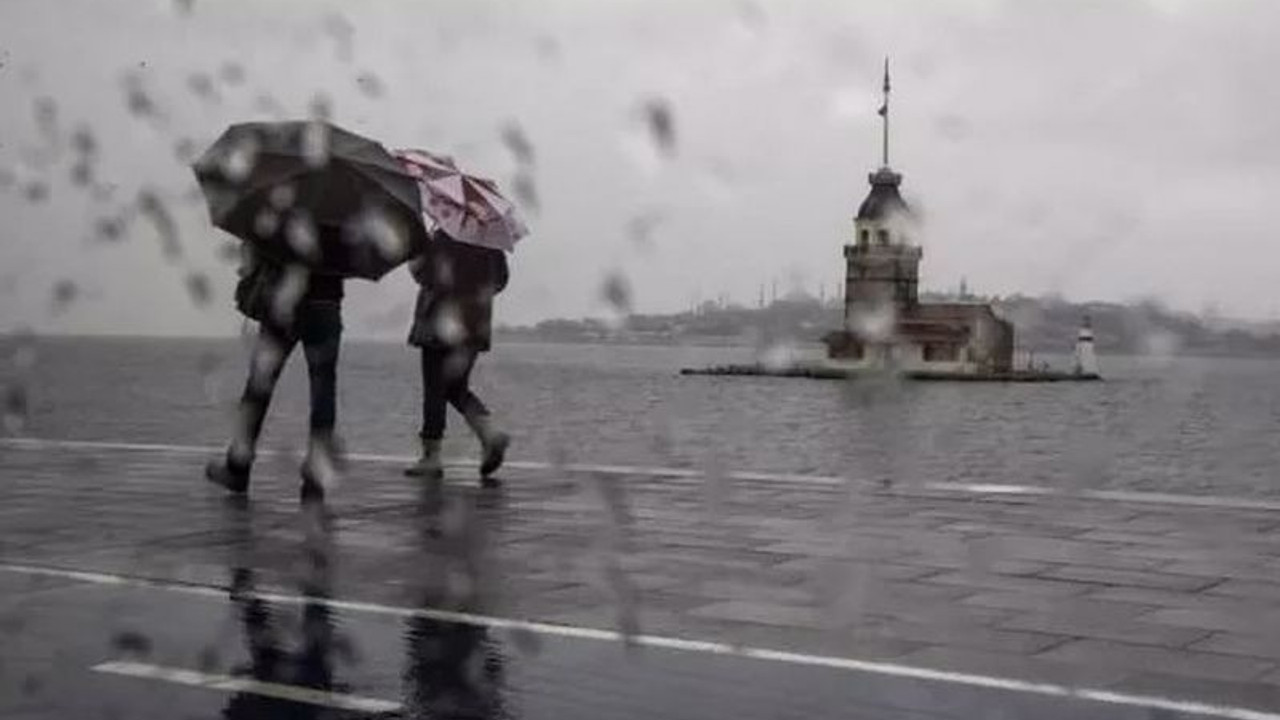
<point>983,582</point>
<point>1213,619</point>
<point>1122,631</point>
<point>1057,605</point>
<point>1266,592</point>
<point>961,636</point>
<point>1262,644</point>
<point>1129,658</point>
<point>1135,578</point>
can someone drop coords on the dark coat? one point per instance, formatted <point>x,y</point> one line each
<point>455,301</point>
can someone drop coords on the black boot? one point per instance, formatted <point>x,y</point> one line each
<point>232,476</point>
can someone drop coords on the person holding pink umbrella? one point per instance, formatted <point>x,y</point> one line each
<point>459,273</point>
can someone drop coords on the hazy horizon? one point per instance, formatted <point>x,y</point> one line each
<point>1105,152</point>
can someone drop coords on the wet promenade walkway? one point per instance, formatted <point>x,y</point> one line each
<point>615,590</point>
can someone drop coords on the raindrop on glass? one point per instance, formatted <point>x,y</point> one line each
<point>300,233</point>
<point>661,122</point>
<point>515,140</point>
<point>282,197</point>
<point>201,85</point>
<point>185,150</point>
<point>240,159</point>
<point>132,642</point>
<point>16,408</point>
<point>371,85</point>
<point>266,223</point>
<point>36,191</point>
<point>82,174</point>
<point>46,115</point>
<point>231,73</point>
<point>525,189</point>
<point>153,208</point>
<point>315,143</point>
<point>65,293</point>
<point>199,288</point>
<point>109,229</point>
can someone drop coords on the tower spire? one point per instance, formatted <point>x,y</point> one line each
<point>884,115</point>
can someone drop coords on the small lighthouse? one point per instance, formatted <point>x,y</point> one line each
<point>1086,358</point>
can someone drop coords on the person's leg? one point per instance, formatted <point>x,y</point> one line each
<point>433,414</point>
<point>270,352</point>
<point>493,442</point>
<point>321,335</point>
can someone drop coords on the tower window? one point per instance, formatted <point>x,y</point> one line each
<point>882,236</point>
<point>864,237</point>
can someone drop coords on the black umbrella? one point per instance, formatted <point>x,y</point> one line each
<point>311,193</point>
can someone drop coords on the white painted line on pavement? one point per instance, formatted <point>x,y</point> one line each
<point>227,683</point>
<point>906,490</point>
<point>708,647</point>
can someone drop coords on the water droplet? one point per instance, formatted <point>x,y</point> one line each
<point>266,104</point>
<point>387,233</point>
<point>660,119</point>
<point>515,140</point>
<point>640,228</point>
<point>448,325</point>
<point>65,293</point>
<point>526,641</point>
<point>266,223</point>
<point>209,660</point>
<point>153,208</point>
<point>230,252</point>
<point>185,151</point>
<point>231,73</point>
<point>184,7</point>
<point>321,108</point>
<point>83,141</point>
<point>292,287</point>
<point>315,144</point>
<point>953,128</point>
<point>45,110</point>
<point>875,324</point>
<point>137,99</point>
<point>16,408</point>
<point>371,85</point>
<point>201,85</point>
<point>341,31</point>
<point>616,292</point>
<point>548,48</point>
<point>240,158</point>
<point>82,174</point>
<point>132,642</point>
<point>300,233</point>
<point>525,190</point>
<point>36,191</point>
<point>199,288</point>
<point>282,197</point>
<point>109,229</point>
<point>8,178</point>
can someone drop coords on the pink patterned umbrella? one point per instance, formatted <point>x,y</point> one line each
<point>467,208</point>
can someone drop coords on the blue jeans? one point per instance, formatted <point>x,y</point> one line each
<point>318,326</point>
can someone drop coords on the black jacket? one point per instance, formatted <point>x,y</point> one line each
<point>455,301</point>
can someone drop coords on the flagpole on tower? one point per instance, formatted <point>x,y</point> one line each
<point>884,113</point>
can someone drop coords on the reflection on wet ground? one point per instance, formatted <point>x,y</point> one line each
<point>127,590</point>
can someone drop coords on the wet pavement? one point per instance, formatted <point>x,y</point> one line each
<point>129,589</point>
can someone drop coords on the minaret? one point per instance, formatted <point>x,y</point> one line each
<point>882,265</point>
<point>1086,358</point>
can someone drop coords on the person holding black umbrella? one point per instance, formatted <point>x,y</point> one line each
<point>314,204</point>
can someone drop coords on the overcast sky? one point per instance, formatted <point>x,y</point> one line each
<point>1102,150</point>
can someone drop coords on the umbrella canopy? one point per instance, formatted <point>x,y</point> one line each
<point>467,208</point>
<point>311,193</point>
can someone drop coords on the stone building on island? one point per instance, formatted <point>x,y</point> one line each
<point>885,324</point>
